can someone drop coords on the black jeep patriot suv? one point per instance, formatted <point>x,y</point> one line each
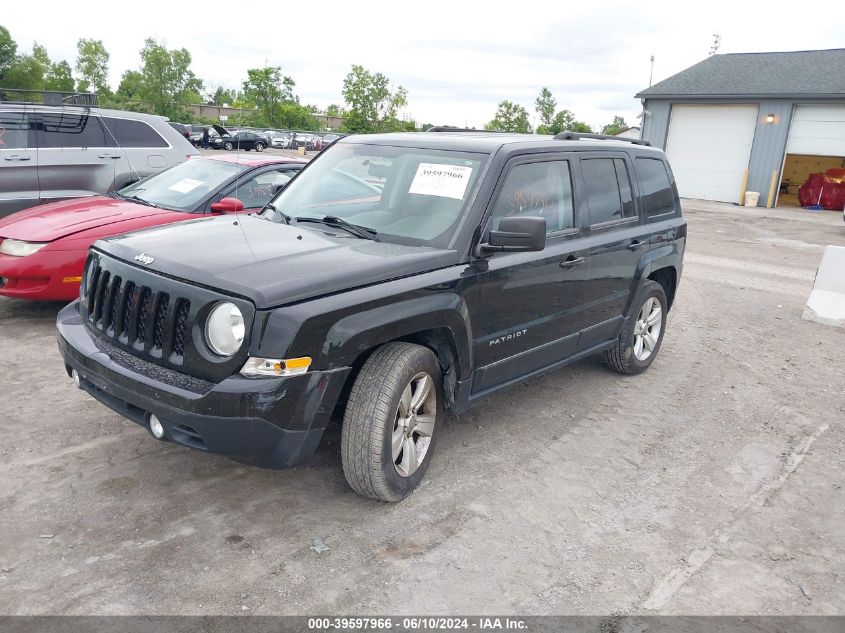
<point>394,278</point>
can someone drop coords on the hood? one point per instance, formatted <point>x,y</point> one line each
<point>222,131</point>
<point>270,263</point>
<point>50,222</point>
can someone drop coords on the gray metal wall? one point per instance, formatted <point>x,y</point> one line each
<point>769,147</point>
<point>656,122</point>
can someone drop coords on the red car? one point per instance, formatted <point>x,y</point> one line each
<point>43,249</point>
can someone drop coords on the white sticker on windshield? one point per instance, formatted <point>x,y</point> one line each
<point>446,181</point>
<point>185,185</point>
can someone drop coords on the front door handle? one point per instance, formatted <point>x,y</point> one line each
<point>571,262</point>
<point>17,157</point>
<point>115,156</point>
<point>635,244</point>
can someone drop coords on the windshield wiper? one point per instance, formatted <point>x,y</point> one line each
<point>142,201</point>
<point>281,214</point>
<point>339,223</point>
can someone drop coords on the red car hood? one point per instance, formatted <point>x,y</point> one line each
<point>50,222</point>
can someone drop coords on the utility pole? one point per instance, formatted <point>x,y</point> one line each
<point>651,72</point>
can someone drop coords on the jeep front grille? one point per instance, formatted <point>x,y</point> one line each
<point>137,315</point>
<point>181,326</point>
<point>152,318</point>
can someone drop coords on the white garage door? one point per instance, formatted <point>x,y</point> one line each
<point>709,148</point>
<point>817,130</point>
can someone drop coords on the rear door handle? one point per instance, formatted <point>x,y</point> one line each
<point>635,244</point>
<point>115,156</point>
<point>16,157</point>
<point>571,262</point>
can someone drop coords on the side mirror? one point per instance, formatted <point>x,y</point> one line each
<point>227,205</point>
<point>517,234</point>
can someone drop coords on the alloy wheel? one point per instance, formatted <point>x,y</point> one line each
<point>414,424</point>
<point>647,328</point>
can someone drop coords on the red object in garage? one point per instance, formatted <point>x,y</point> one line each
<point>826,190</point>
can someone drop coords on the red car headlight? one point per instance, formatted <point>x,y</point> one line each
<point>19,248</point>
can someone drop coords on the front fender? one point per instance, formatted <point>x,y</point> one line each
<point>352,335</point>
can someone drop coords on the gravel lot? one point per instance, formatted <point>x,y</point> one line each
<point>712,484</point>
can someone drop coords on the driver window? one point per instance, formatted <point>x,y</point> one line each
<point>538,190</point>
<point>257,191</point>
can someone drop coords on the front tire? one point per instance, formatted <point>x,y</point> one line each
<point>391,419</point>
<point>228,146</point>
<point>640,339</point>
<point>259,147</point>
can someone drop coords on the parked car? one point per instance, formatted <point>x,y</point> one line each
<point>486,259</point>
<point>327,139</point>
<point>243,140</point>
<point>281,141</point>
<point>100,151</point>
<point>302,139</point>
<point>42,250</point>
<point>182,128</point>
<point>195,136</point>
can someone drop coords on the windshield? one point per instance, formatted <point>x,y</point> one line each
<point>407,195</point>
<point>184,186</point>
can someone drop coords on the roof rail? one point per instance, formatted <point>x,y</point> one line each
<point>574,136</point>
<point>449,128</point>
<point>48,97</point>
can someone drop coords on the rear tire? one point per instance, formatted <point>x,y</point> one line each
<point>640,339</point>
<point>391,421</point>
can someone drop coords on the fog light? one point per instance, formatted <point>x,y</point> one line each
<point>75,375</point>
<point>156,428</point>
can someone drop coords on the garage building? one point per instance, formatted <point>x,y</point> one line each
<point>763,120</point>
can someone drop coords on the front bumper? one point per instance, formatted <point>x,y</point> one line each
<point>42,276</point>
<point>267,422</point>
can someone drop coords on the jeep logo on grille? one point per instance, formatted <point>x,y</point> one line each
<point>145,259</point>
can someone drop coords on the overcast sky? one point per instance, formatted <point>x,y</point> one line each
<point>457,59</point>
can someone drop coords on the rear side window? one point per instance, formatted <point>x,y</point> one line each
<point>655,188</point>
<point>608,189</point>
<point>66,129</point>
<point>13,130</point>
<point>131,133</point>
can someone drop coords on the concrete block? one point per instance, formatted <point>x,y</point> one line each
<point>827,300</point>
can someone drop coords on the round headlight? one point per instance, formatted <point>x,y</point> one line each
<point>224,330</point>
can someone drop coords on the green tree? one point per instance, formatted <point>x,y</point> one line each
<point>615,127</point>
<point>293,116</point>
<point>92,66</point>
<point>39,54</point>
<point>564,121</point>
<point>59,77</point>
<point>167,80</point>
<point>27,72</point>
<point>510,117</point>
<point>8,51</point>
<point>268,88</point>
<point>545,106</point>
<point>373,106</point>
<point>334,110</point>
<point>222,95</point>
<point>130,86</point>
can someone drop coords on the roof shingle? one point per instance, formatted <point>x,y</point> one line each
<point>760,74</point>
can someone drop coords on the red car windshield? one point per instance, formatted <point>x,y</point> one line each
<point>184,186</point>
